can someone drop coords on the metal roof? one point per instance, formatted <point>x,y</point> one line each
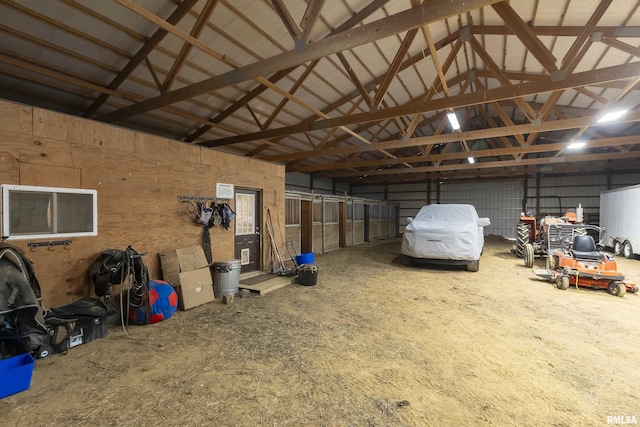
<point>354,90</point>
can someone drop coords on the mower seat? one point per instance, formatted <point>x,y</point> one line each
<point>584,247</point>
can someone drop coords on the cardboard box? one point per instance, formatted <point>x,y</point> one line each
<point>196,288</point>
<point>15,374</point>
<point>176,261</point>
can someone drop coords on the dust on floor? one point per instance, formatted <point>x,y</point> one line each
<point>374,343</point>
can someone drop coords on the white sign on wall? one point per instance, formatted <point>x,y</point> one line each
<point>224,191</point>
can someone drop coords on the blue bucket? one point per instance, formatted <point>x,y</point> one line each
<point>304,258</point>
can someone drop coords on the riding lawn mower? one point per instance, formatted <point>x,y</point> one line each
<point>579,261</point>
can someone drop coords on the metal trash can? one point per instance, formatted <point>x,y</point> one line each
<point>226,277</point>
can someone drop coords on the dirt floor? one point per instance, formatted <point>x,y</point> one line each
<point>374,343</point>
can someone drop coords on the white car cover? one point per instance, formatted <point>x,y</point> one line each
<point>448,232</point>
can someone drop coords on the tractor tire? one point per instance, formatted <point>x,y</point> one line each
<point>616,288</point>
<point>528,255</point>
<point>473,266</point>
<point>522,237</point>
<point>627,250</point>
<point>562,282</point>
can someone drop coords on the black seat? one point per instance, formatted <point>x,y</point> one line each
<point>584,247</point>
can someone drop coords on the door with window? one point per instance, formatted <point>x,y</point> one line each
<point>247,234</point>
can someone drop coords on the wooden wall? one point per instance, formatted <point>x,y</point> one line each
<point>318,242</point>
<point>358,232</point>
<point>292,234</point>
<point>331,237</point>
<point>138,178</point>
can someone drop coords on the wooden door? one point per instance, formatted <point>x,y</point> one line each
<point>247,233</point>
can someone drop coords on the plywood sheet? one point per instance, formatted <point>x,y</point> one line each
<point>16,118</point>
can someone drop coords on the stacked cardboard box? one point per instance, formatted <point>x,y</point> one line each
<point>188,271</point>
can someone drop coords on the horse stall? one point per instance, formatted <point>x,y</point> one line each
<point>357,222</point>
<point>383,223</point>
<point>298,224</point>
<point>372,221</point>
<point>330,224</point>
<point>322,223</point>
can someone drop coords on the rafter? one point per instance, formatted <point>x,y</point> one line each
<point>403,21</point>
<point>395,66</point>
<point>311,15</point>
<point>142,53</point>
<point>287,19</point>
<point>478,154</point>
<point>492,164</point>
<point>469,135</point>
<point>618,72</point>
<point>355,79</point>
<point>499,75</point>
<point>365,12</point>
<point>201,22</point>
<point>526,36</point>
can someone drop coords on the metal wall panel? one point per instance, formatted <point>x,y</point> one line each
<point>501,201</point>
<point>376,192</point>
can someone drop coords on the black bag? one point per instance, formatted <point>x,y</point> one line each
<point>77,323</point>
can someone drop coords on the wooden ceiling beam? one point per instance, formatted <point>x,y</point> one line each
<point>621,46</point>
<point>368,87</point>
<point>478,154</point>
<point>559,30</point>
<point>485,114</point>
<point>498,74</point>
<point>569,60</point>
<point>433,90</point>
<point>549,126</point>
<point>311,15</point>
<point>526,35</point>
<point>142,53</point>
<point>458,167</point>
<point>294,31</point>
<point>430,11</point>
<point>355,79</point>
<point>226,59</point>
<point>436,61</point>
<point>394,67</point>
<point>358,17</point>
<point>201,22</point>
<point>586,78</point>
<point>298,83</point>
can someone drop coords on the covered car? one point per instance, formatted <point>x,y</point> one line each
<point>447,233</point>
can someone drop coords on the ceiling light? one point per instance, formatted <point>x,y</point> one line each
<point>576,144</point>
<point>471,160</point>
<point>612,115</point>
<point>453,120</point>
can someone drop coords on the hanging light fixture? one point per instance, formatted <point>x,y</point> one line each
<point>453,120</point>
<point>471,160</point>
<point>612,115</point>
<point>576,145</point>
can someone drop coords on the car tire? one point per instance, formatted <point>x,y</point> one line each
<point>474,266</point>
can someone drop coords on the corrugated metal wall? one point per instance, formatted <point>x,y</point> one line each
<point>302,182</point>
<point>500,201</point>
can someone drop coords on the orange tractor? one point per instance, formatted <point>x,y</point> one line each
<point>534,239</point>
<point>579,261</point>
